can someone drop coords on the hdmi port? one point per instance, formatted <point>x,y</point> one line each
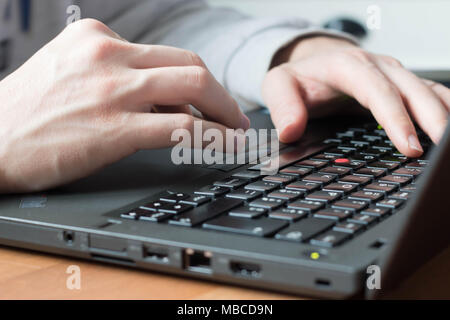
<point>245,269</point>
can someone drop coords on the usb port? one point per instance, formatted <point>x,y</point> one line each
<point>156,254</point>
<point>245,269</point>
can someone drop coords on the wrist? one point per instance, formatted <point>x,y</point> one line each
<point>306,47</point>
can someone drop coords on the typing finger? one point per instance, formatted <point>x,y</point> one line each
<point>281,94</point>
<point>152,131</point>
<point>354,74</point>
<point>189,85</point>
<point>422,102</point>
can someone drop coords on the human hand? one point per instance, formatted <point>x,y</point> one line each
<point>316,70</point>
<point>85,99</point>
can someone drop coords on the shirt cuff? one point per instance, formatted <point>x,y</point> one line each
<point>248,66</point>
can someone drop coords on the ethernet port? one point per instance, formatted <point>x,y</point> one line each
<point>197,261</point>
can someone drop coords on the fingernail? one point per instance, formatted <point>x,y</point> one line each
<point>414,143</point>
<point>245,122</point>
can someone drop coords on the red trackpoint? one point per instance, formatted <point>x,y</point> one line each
<point>342,160</point>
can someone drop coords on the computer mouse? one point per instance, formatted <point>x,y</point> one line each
<point>348,25</point>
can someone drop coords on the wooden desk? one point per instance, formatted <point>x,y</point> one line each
<point>31,275</point>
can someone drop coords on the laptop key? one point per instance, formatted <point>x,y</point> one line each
<point>364,157</point>
<point>170,196</point>
<point>362,219</point>
<point>381,186</point>
<point>332,141</point>
<point>243,194</point>
<point>231,182</point>
<point>304,186</point>
<point>342,187</point>
<point>401,159</point>
<point>327,196</point>
<point>263,186</point>
<point>348,227</point>
<point>384,165</point>
<point>330,239</point>
<point>304,229</point>
<point>400,180</point>
<point>286,194</point>
<point>315,164</point>
<point>291,215</point>
<point>254,227</point>
<point>350,204</point>
<point>402,195</point>
<point>411,172</point>
<point>390,203</point>
<point>155,216</point>
<point>268,203</point>
<point>374,152</point>
<point>132,215</point>
<point>335,170</point>
<point>367,195</point>
<point>379,212</point>
<point>247,174</point>
<point>339,152</point>
<point>279,178</point>
<point>334,214</point>
<point>201,214</point>
<point>380,132</point>
<point>212,191</point>
<point>361,180</point>
<point>196,200</point>
<point>408,188</point>
<point>352,164</point>
<point>306,205</point>
<point>153,206</point>
<point>416,164</point>
<point>320,177</point>
<point>360,143</point>
<point>371,172</point>
<point>296,171</point>
<point>175,208</point>
<point>324,157</point>
<point>372,138</point>
<point>247,212</point>
<point>348,146</point>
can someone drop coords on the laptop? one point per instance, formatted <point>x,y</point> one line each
<point>344,207</point>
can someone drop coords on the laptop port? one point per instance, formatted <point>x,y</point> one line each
<point>378,244</point>
<point>156,254</point>
<point>197,261</point>
<point>323,283</point>
<point>68,237</point>
<point>245,269</point>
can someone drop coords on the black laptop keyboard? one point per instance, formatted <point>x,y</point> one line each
<point>356,181</point>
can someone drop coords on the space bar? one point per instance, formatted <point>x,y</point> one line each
<point>205,212</point>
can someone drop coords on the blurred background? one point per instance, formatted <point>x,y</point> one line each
<point>417,32</point>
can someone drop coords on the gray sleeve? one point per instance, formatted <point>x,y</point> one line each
<point>238,49</point>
